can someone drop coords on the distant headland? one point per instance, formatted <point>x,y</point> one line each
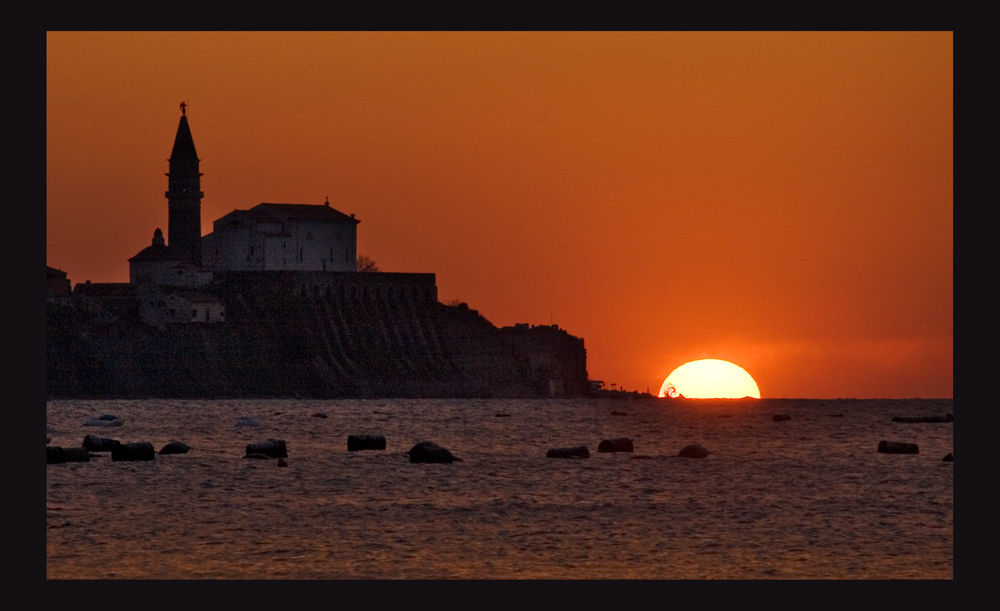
<point>272,303</point>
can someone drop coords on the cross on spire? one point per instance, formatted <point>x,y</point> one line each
<point>183,107</point>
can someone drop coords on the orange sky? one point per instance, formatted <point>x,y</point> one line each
<point>780,200</point>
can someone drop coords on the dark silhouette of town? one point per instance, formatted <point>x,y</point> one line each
<point>272,303</point>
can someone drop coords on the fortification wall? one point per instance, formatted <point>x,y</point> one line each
<point>302,334</point>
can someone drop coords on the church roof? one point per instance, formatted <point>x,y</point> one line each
<point>306,212</point>
<point>156,252</point>
<point>240,218</point>
<point>183,142</point>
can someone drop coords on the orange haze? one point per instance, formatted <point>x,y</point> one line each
<point>779,200</point>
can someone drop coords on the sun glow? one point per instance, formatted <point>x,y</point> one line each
<point>710,379</point>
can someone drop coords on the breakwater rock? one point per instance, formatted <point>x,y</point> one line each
<point>94,443</point>
<point>140,450</point>
<point>175,447</point>
<point>919,419</point>
<point>619,444</point>
<point>897,447</point>
<point>106,422</point>
<point>695,450</point>
<point>430,452</point>
<point>55,455</point>
<point>272,448</point>
<point>568,452</point>
<point>365,442</point>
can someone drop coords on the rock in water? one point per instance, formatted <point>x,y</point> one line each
<point>100,444</point>
<point>175,447</point>
<point>56,455</point>
<point>570,452</point>
<point>945,418</point>
<point>897,447</point>
<point>781,417</point>
<point>365,442</point>
<point>275,448</point>
<point>430,452</point>
<point>77,454</point>
<point>102,421</point>
<point>140,450</point>
<point>695,450</point>
<point>619,444</point>
<point>948,458</point>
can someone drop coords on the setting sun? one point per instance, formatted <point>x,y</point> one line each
<point>710,379</point>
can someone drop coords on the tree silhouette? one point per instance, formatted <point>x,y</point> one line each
<point>367,264</point>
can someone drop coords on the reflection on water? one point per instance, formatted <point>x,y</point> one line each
<point>804,498</point>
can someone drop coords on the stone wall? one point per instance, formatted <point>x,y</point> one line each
<point>312,335</point>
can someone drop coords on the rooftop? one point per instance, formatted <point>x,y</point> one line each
<point>305,212</point>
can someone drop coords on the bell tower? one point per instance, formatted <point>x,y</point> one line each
<point>184,196</point>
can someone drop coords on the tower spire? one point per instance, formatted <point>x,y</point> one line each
<point>184,195</point>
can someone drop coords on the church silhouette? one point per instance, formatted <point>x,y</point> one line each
<point>271,304</point>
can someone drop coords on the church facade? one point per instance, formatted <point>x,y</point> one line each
<point>292,237</point>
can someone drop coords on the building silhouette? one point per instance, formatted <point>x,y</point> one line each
<point>184,196</point>
<point>283,237</point>
<point>270,303</point>
<point>269,236</point>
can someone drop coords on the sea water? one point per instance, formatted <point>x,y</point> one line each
<point>807,497</point>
